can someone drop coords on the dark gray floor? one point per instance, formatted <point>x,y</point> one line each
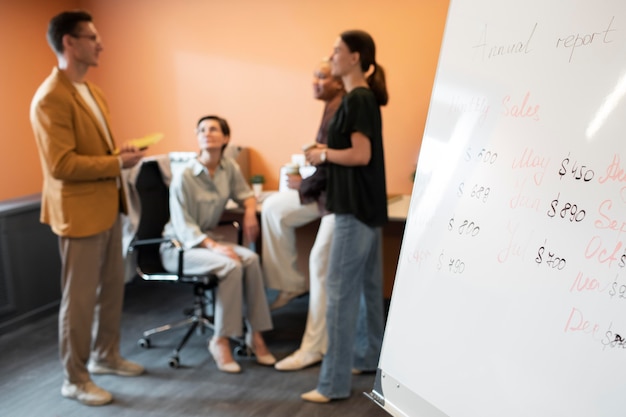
<point>30,373</point>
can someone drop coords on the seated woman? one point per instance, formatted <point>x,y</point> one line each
<point>198,196</point>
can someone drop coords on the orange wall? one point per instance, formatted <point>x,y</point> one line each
<point>26,61</point>
<point>168,62</point>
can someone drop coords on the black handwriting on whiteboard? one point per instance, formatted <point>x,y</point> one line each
<point>551,260</point>
<point>465,228</point>
<point>570,211</point>
<point>577,172</point>
<point>613,340</point>
<point>585,39</point>
<point>489,50</point>
<point>617,290</point>
<point>478,192</point>
<point>451,265</point>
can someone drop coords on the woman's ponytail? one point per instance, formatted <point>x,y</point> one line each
<point>378,85</point>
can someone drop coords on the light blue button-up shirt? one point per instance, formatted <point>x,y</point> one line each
<point>197,200</point>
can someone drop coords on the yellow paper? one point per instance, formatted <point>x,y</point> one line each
<point>147,140</point>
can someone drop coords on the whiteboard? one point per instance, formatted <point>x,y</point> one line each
<point>510,292</point>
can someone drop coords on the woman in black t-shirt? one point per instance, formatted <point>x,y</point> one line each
<point>356,193</point>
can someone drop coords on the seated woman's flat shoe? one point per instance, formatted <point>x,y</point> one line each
<point>314,396</point>
<point>228,367</point>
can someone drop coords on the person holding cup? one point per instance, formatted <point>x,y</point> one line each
<point>357,195</point>
<point>282,213</point>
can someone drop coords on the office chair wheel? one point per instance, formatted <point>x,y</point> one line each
<point>144,343</point>
<point>174,362</point>
<point>241,351</point>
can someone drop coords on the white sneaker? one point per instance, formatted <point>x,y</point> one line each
<point>298,360</point>
<point>121,367</point>
<point>87,393</point>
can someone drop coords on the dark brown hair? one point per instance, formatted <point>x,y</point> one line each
<point>65,23</point>
<point>361,42</point>
<point>222,122</point>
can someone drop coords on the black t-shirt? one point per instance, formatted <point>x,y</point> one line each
<point>358,190</point>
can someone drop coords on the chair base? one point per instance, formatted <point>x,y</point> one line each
<point>198,321</point>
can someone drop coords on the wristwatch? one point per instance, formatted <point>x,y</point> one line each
<point>323,156</point>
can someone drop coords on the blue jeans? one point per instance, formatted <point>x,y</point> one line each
<point>354,316</point>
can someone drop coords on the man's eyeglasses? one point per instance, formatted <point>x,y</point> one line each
<point>93,38</point>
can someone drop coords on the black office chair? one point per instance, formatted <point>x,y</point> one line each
<point>154,198</point>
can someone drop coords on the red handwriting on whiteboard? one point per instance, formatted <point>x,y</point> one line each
<point>595,249</point>
<point>614,171</point>
<point>576,322</point>
<point>520,109</point>
<point>473,104</point>
<point>418,256</point>
<point>622,194</point>
<point>606,221</point>
<point>582,283</point>
<point>523,200</point>
<point>516,247</point>
<point>530,160</point>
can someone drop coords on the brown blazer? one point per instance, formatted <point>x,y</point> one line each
<point>80,194</point>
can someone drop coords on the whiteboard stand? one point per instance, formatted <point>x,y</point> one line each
<point>402,399</point>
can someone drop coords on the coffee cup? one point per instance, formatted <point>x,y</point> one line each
<point>292,169</point>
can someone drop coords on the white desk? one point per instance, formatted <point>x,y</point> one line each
<point>398,208</point>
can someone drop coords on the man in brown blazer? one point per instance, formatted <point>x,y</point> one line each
<point>82,199</point>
